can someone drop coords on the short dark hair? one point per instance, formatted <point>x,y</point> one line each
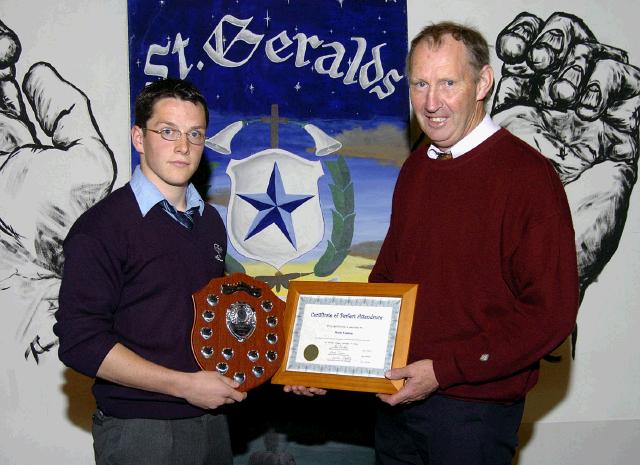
<point>476,45</point>
<point>166,88</point>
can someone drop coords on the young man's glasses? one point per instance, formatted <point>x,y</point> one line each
<point>194,136</point>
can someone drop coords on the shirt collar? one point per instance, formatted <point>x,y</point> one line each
<point>147,194</point>
<point>477,136</point>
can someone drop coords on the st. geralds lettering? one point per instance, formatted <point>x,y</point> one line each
<point>238,45</point>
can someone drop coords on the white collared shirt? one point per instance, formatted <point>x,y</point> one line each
<point>477,136</point>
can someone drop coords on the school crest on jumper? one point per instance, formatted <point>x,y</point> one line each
<point>274,213</point>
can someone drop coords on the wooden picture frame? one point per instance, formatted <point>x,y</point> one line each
<point>342,335</point>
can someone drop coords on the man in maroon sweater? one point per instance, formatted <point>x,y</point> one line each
<point>481,223</point>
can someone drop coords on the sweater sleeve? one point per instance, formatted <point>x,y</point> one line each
<point>89,294</point>
<point>540,270</point>
<point>381,272</point>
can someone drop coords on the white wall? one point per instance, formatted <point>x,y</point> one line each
<point>583,412</point>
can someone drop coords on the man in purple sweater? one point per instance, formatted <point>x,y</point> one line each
<point>481,222</point>
<point>132,262</point>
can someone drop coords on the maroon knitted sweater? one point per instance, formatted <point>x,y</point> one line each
<point>488,237</point>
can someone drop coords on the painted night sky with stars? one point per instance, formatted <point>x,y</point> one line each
<point>279,65</point>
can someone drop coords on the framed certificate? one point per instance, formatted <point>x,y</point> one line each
<point>346,335</point>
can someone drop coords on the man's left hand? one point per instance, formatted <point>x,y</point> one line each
<point>419,382</point>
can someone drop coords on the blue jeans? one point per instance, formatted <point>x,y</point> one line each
<point>201,440</point>
<point>446,431</point>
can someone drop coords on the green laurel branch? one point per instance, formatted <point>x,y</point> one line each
<point>343,215</point>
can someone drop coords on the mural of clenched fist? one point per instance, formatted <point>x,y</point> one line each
<point>577,101</point>
<point>44,185</point>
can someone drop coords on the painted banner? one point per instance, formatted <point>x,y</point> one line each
<point>309,114</point>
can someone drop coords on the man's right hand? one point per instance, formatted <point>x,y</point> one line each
<point>210,390</point>
<point>204,389</point>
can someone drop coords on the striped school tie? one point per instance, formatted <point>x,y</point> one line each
<point>184,218</point>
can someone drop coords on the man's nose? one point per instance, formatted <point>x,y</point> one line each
<point>182,144</point>
<point>432,101</point>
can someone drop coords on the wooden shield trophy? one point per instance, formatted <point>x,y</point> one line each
<point>238,329</point>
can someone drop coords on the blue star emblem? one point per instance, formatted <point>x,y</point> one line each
<point>274,207</point>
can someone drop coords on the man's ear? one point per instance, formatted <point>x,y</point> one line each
<point>485,81</point>
<point>137,134</point>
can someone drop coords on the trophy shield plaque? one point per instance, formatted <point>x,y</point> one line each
<point>238,329</point>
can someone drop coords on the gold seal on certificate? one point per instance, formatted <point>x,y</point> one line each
<point>346,335</point>
<point>311,352</point>
<point>238,329</point>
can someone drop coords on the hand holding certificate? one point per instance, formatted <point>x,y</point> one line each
<point>346,335</point>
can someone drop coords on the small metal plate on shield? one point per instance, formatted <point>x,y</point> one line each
<point>241,320</point>
<point>222,368</point>
<point>237,326</point>
<point>253,355</point>
<point>227,353</point>
<point>206,352</point>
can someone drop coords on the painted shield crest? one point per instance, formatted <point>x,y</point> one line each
<point>274,213</point>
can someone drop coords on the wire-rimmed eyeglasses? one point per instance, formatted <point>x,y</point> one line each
<point>194,136</point>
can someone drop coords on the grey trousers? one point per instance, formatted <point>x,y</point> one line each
<point>187,441</point>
